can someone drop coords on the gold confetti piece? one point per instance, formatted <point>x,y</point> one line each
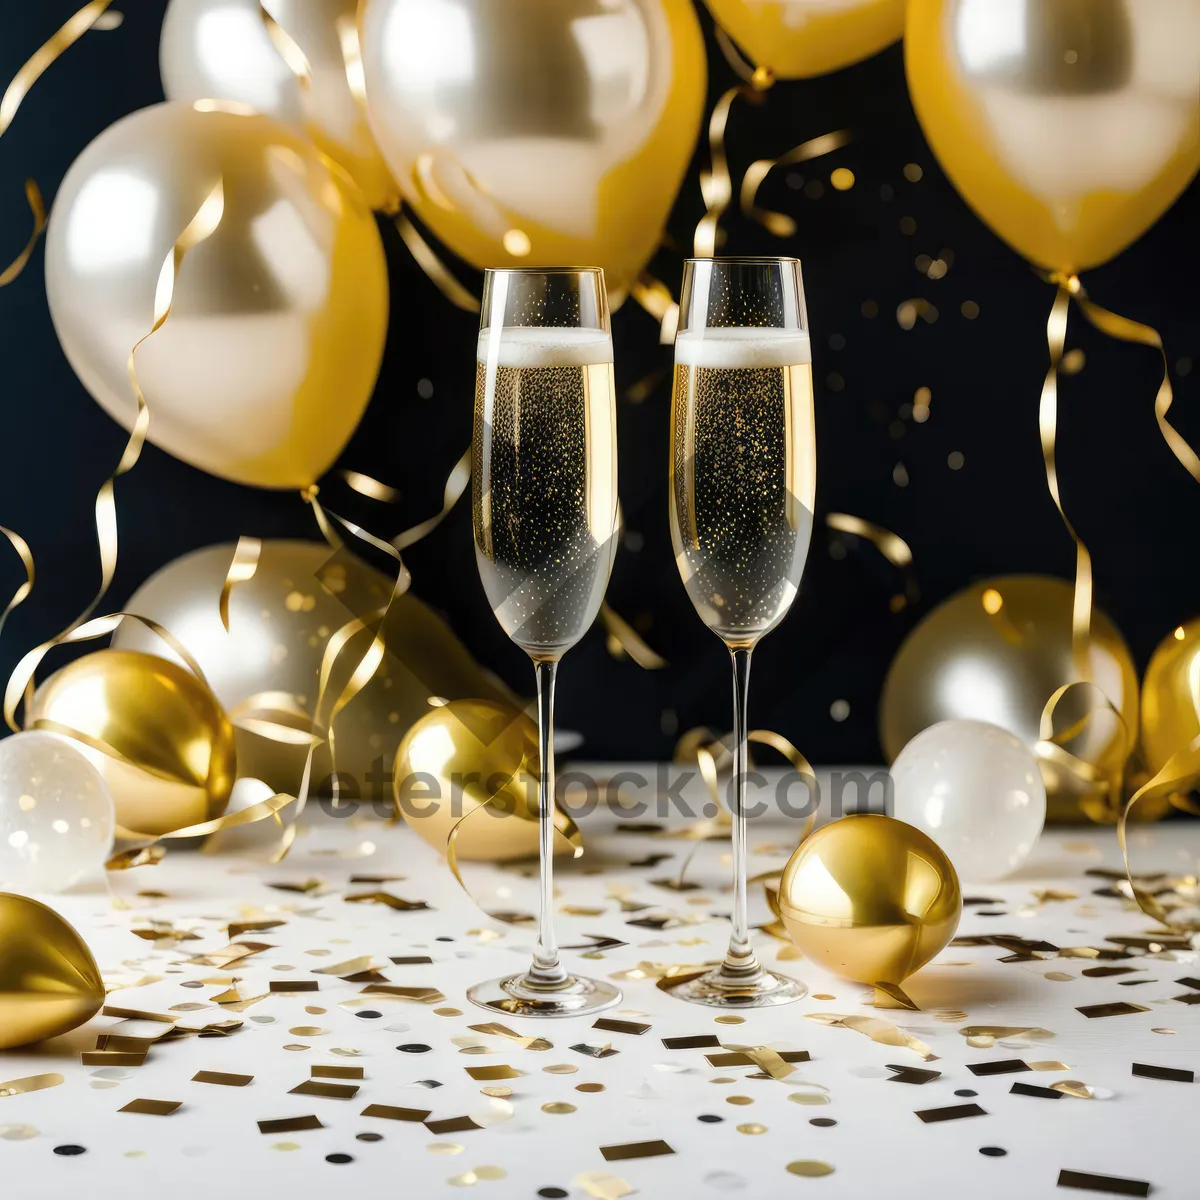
<point>950,1015</point>
<point>314,1010</point>
<point>286,1146</point>
<point>466,1179</point>
<point>589,1087</point>
<point>560,1069</point>
<point>452,1125</point>
<point>1162,1030</point>
<point>352,966</point>
<point>289,1125</point>
<point>558,1108</point>
<point>153,1108</point>
<point>498,1092</point>
<point>490,1173</point>
<point>613,1026</point>
<point>1059,976</point>
<point>1046,895</point>
<point>386,898</point>
<point>389,1112</point>
<point>422,995</point>
<point>741,1020</point>
<point>293,985</point>
<point>445,1148</point>
<point>307,1031</point>
<point>878,1030</point>
<point>222,1078</point>
<point>319,1071</point>
<point>598,1185</point>
<point>1118,1008</point>
<point>752,1128</point>
<point>18,1133</point>
<point>891,995</point>
<point>498,1071</point>
<point>447,1012</point>
<point>136,856</point>
<point>1048,1064</point>
<point>816,996</point>
<point>112,1058</point>
<point>776,1065</point>
<point>813,1099</point>
<point>809,1167</point>
<point>235,929</point>
<point>580,910</point>
<point>1005,1031</point>
<point>498,1030</point>
<point>739,1100</point>
<point>296,1046</point>
<point>635,1150</point>
<point>329,1091</point>
<point>30,1083</point>
<point>1073,1087</point>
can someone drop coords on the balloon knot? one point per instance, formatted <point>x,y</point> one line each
<point>762,79</point>
<point>310,493</point>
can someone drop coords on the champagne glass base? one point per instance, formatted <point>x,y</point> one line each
<point>763,990</point>
<point>518,996</point>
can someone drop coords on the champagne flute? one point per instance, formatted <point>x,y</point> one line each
<point>544,498</point>
<point>743,478</point>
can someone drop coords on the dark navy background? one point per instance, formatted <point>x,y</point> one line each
<point>1131,501</point>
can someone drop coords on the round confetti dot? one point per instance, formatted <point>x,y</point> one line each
<point>552,1193</point>
<point>813,1099</point>
<point>739,1100</point>
<point>338,1158</point>
<point>449,1012</point>
<point>993,1151</point>
<point>491,1173</point>
<point>810,1167</point>
<point>313,1010</point>
<point>709,1118</point>
<point>730,1020</point>
<point>966,1092</point>
<point>723,1079</point>
<point>68,1151</point>
<point>823,1122</point>
<point>445,1148</point>
<point>969,309</point>
<point>839,710</point>
<point>589,1087</point>
<point>443,938</point>
<point>307,1031</point>
<point>414,1048</point>
<point>558,1108</point>
<point>466,1179</point>
<point>1162,1031</point>
<point>193,983</point>
<point>498,1092</point>
<point>261,1020</point>
<point>560,1069</point>
<point>842,179</point>
<point>369,1014</point>
<point>368,1137</point>
<point>286,1146</point>
<point>296,1046</point>
<point>824,996</point>
<point>752,1128</point>
<point>135,1154</point>
<point>18,1133</point>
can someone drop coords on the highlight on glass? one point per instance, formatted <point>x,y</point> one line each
<point>743,482</point>
<point>544,499</point>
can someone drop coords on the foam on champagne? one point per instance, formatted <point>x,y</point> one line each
<point>527,347</point>
<point>742,348</point>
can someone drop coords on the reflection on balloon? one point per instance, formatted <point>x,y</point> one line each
<point>56,816</point>
<point>799,38</point>
<point>870,898</point>
<point>152,729</point>
<point>49,981</point>
<point>470,755</point>
<point>1070,126</point>
<point>997,652</point>
<point>537,132</point>
<point>1171,697</point>
<point>270,352</point>
<point>221,49</point>
<point>265,670</point>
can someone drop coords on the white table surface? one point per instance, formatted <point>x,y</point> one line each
<point>211,1147</point>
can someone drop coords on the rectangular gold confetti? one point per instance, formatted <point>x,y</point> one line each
<point>223,1078</point>
<point>1048,1064</point>
<point>336,1072</point>
<point>329,1091</point>
<point>394,902</point>
<point>953,1112</point>
<point>451,1125</point>
<point>237,928</point>
<point>30,1083</point>
<point>112,1058</point>
<point>695,1041</point>
<point>745,1058</point>
<point>412,960</point>
<point>136,1014</point>
<point>289,1125</point>
<point>1111,1184</point>
<point>294,985</point>
<point>635,1150</point>
<point>389,1112</point>
<point>1117,1008</point>
<point>613,1026</point>
<point>352,966</point>
<point>423,995</point>
<point>122,1044</point>
<point>152,1108</point>
<point>377,878</point>
<point>499,1071</point>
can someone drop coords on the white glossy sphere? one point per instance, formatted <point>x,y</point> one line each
<point>976,790</point>
<point>56,814</point>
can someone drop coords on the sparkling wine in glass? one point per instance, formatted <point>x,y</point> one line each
<point>544,499</point>
<point>743,481</point>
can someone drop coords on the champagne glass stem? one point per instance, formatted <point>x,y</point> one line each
<point>740,962</point>
<point>546,970</point>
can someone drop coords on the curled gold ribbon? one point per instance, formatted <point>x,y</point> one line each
<point>628,640</point>
<point>66,36</point>
<point>427,259</point>
<point>780,224</point>
<point>21,546</point>
<point>364,485</point>
<point>37,206</point>
<point>456,484</point>
<point>242,567</point>
<point>287,49</point>
<point>716,186</point>
<point>893,547</point>
<point>656,298</point>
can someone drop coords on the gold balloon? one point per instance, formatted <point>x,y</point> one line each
<point>870,898</point>
<point>464,756</point>
<point>265,671</point>
<point>997,652</point>
<point>270,352</point>
<point>49,981</point>
<point>221,49</point>
<point>538,132</point>
<point>1070,126</point>
<point>1171,698</point>
<point>152,729</point>
<point>796,39</point>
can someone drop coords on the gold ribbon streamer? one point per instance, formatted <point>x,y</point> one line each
<point>242,567</point>
<point>780,224</point>
<point>456,484</point>
<point>629,640</point>
<point>21,546</point>
<point>716,185</point>
<point>364,485</point>
<point>287,49</point>
<point>1081,610</point>
<point>37,206</point>
<point>66,36</point>
<point>656,298</point>
<point>893,547</point>
<point>433,266</point>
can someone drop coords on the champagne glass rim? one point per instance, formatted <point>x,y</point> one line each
<point>544,271</point>
<point>745,260</point>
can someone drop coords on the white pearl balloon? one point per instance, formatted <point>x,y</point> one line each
<point>976,790</point>
<point>56,814</point>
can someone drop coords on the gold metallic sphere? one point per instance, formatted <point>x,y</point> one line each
<point>49,981</point>
<point>1171,696</point>
<point>870,898</point>
<point>152,729</point>
<point>455,760</point>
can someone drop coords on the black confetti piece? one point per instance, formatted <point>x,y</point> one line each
<point>1001,1066</point>
<point>1032,1089</point>
<point>954,1112</point>
<point>1111,1184</point>
<point>1178,1074</point>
